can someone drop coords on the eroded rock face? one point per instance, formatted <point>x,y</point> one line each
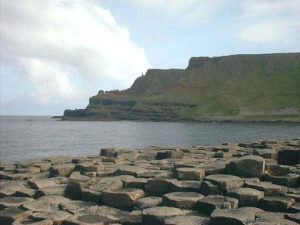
<point>133,187</point>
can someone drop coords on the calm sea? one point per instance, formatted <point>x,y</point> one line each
<point>37,137</point>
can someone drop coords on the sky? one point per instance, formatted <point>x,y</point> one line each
<point>55,54</point>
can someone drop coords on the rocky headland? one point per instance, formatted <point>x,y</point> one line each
<point>229,88</point>
<point>232,184</point>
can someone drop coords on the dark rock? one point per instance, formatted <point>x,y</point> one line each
<point>157,215</point>
<point>247,166</point>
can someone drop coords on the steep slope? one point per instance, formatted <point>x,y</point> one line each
<point>238,87</point>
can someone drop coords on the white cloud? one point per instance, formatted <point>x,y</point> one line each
<point>271,21</point>
<point>191,12</point>
<point>67,49</point>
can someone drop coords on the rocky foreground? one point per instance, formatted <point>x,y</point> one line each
<point>232,184</point>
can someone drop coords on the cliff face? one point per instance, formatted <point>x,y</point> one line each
<point>238,87</point>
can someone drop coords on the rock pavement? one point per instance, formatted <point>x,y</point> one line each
<point>255,183</point>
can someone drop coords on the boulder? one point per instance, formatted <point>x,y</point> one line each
<point>190,174</point>
<point>225,182</point>
<point>247,166</point>
<point>182,200</point>
<point>276,203</point>
<point>157,215</point>
<point>208,204</point>
<point>122,199</point>
<point>247,196</point>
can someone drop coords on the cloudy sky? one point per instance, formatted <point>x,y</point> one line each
<point>55,54</point>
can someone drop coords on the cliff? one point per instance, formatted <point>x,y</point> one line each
<point>239,87</point>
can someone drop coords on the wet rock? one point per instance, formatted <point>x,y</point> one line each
<point>241,216</point>
<point>190,174</point>
<point>187,220</point>
<point>9,215</point>
<point>268,188</point>
<point>276,203</point>
<point>157,215</point>
<point>148,202</point>
<point>122,199</point>
<point>247,196</point>
<point>62,170</point>
<point>208,204</point>
<point>247,166</point>
<point>225,182</point>
<point>182,200</point>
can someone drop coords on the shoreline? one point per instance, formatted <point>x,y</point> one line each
<point>157,185</point>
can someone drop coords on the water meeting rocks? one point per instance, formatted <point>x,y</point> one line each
<point>157,185</point>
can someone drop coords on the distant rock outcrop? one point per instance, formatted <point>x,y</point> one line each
<point>238,87</point>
